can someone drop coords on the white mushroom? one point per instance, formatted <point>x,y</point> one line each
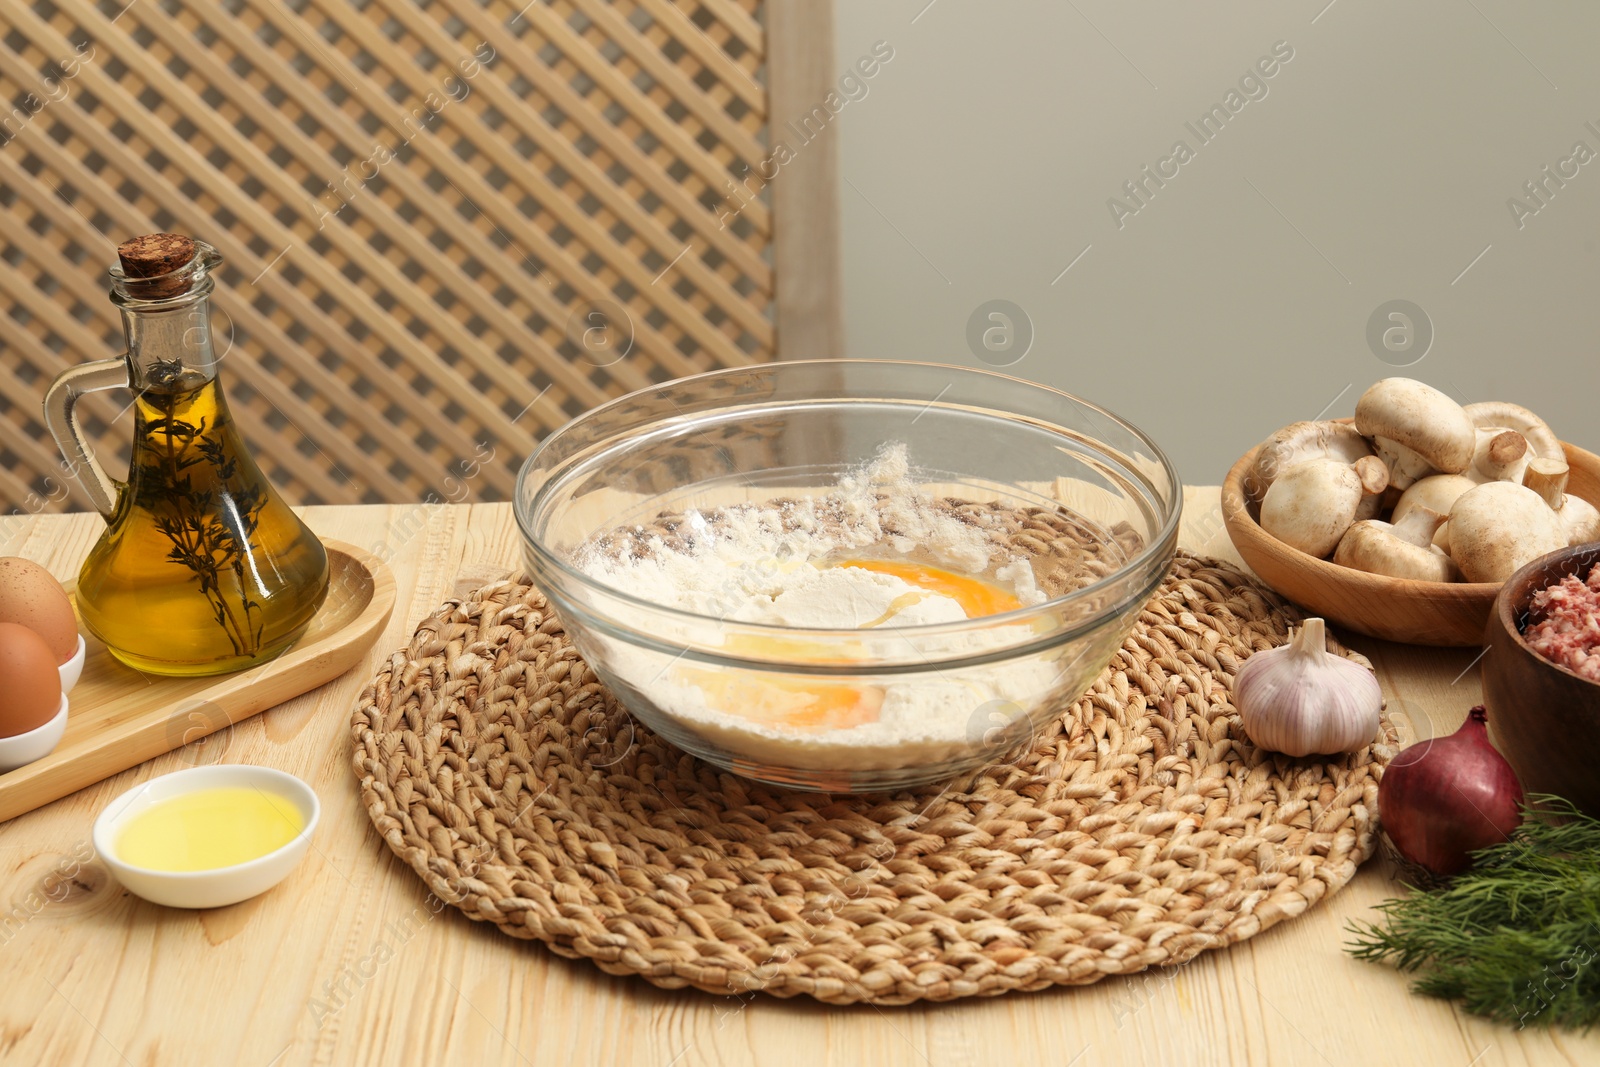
<point>1416,429</point>
<point>1401,550</point>
<point>1437,491</point>
<point>1500,456</point>
<point>1311,505</point>
<point>1298,442</point>
<point>1441,538</point>
<point>1504,415</point>
<point>1548,478</point>
<point>1374,475</point>
<point>1405,465</point>
<point>1579,518</point>
<point>1497,527</point>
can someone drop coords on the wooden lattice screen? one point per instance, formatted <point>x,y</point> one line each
<point>423,204</point>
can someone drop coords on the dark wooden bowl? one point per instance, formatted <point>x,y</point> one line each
<point>1394,609</point>
<point>1543,717</point>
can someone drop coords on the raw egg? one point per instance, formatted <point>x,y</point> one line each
<point>805,705</point>
<point>31,597</point>
<point>976,596</point>
<point>789,703</point>
<point>31,695</point>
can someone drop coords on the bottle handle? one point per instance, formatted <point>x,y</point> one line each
<point>60,402</point>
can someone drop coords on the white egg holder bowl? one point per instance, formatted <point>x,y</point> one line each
<point>22,749</point>
<point>72,670</point>
<point>219,886</point>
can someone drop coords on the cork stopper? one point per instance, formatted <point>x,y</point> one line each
<point>155,256</point>
<point>1548,478</point>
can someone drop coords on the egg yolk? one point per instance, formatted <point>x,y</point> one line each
<point>976,596</point>
<point>808,706</point>
<point>209,828</point>
<point>798,704</point>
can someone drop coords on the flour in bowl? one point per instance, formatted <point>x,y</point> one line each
<point>739,561</point>
<point>876,554</point>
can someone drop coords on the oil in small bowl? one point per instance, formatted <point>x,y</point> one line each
<point>207,836</point>
<point>209,828</point>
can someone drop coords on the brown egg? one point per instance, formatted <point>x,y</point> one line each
<point>30,595</point>
<point>30,685</point>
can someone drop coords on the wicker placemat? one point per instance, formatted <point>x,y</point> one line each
<point>1141,830</point>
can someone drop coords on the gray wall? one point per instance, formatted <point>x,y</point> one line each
<point>1376,167</point>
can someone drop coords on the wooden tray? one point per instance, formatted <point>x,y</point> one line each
<point>118,717</point>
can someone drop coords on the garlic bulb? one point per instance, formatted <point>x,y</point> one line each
<point>1300,699</point>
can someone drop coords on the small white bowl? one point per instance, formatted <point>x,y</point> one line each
<point>37,743</point>
<point>72,669</point>
<point>221,885</point>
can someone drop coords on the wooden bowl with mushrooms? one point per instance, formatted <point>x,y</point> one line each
<point>1484,468</point>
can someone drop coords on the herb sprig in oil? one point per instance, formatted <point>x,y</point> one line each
<point>210,522</point>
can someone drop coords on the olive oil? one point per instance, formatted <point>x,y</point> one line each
<point>204,568</point>
<point>209,828</point>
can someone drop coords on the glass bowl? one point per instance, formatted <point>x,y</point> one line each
<point>1088,502</point>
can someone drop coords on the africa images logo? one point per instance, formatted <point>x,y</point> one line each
<point>1252,86</point>
<point>852,87</point>
<point>1541,189</point>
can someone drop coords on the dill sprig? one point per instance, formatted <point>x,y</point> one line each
<point>1517,937</point>
<point>209,520</point>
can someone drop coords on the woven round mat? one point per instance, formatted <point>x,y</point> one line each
<point>1140,830</point>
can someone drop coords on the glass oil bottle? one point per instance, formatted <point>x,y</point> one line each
<point>202,568</point>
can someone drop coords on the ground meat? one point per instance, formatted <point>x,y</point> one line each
<point>1566,626</point>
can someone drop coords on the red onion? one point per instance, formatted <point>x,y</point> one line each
<point>1441,800</point>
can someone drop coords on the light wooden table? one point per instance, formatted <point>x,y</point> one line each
<point>344,963</point>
